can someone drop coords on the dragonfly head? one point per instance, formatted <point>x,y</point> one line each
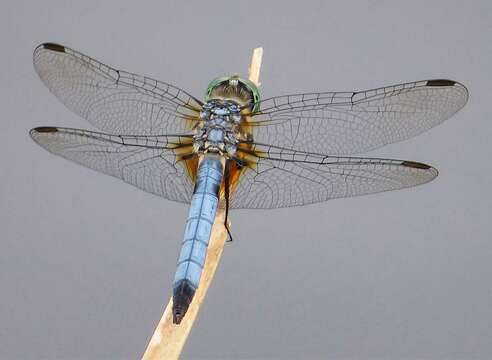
<point>234,88</point>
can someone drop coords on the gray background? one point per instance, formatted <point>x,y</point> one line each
<point>86,261</point>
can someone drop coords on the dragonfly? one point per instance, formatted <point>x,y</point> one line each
<point>235,149</point>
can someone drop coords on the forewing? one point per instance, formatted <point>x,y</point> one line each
<point>113,100</point>
<point>354,122</point>
<point>147,162</point>
<point>278,177</point>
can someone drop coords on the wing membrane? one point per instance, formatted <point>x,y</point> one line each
<point>147,162</point>
<point>354,122</point>
<point>113,100</point>
<point>278,177</point>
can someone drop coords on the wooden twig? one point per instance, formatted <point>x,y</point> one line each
<point>255,65</point>
<point>168,339</point>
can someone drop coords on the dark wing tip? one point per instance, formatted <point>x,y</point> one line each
<point>441,82</point>
<point>451,83</point>
<point>44,129</point>
<point>428,172</point>
<point>416,165</point>
<point>52,47</point>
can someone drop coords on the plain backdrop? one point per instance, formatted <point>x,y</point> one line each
<point>87,261</point>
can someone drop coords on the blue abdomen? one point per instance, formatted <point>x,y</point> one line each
<point>198,228</point>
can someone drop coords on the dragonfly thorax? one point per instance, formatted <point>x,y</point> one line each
<point>219,129</point>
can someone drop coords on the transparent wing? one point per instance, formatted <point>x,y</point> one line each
<point>355,122</point>
<point>113,100</point>
<point>147,162</point>
<point>278,177</point>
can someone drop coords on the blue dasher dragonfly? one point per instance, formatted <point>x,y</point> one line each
<point>253,153</point>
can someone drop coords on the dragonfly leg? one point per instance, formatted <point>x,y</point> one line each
<point>229,234</point>
<point>226,195</point>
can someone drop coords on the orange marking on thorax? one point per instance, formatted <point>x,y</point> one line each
<point>233,170</point>
<point>186,158</point>
<point>249,158</point>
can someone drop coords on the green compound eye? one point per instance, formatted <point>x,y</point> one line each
<point>251,88</point>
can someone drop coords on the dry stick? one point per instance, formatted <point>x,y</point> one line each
<point>255,65</point>
<point>168,339</point>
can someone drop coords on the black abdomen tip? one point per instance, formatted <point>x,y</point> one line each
<point>182,296</point>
